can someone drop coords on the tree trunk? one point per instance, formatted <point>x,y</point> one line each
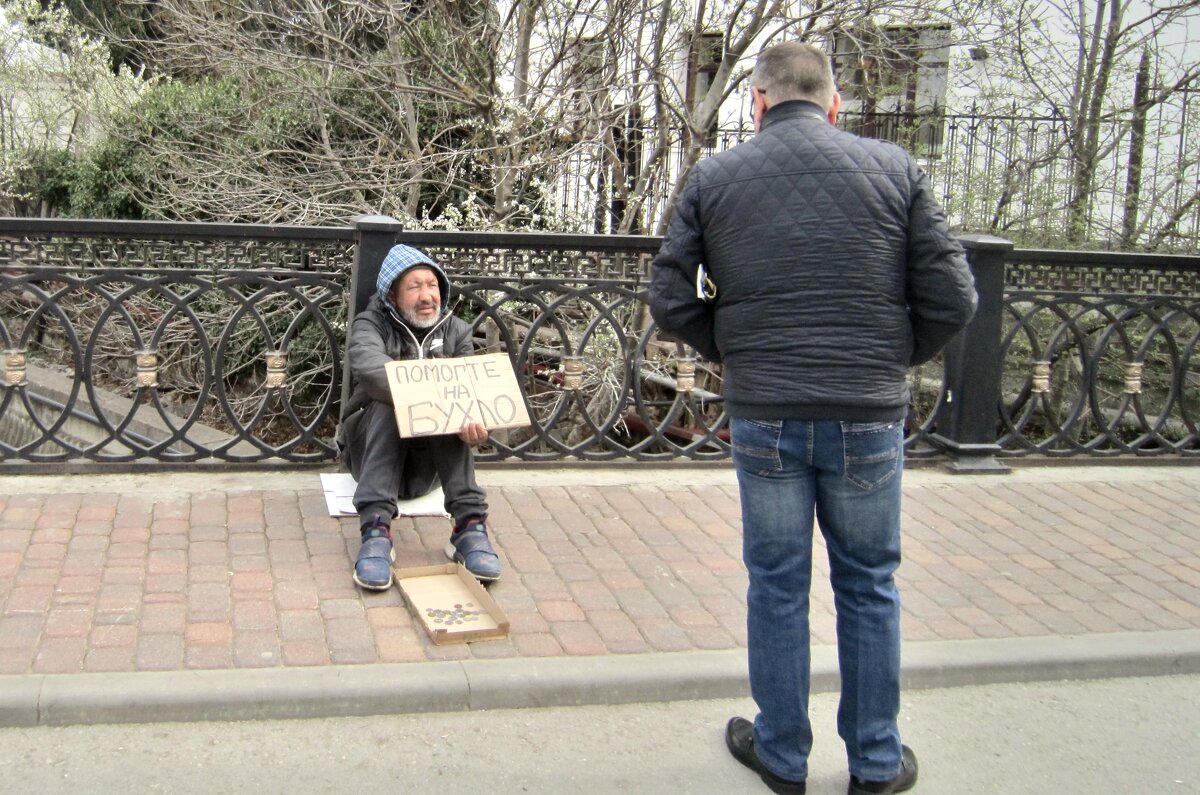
<point>1089,103</point>
<point>1137,145</point>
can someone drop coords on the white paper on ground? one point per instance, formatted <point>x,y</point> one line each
<point>339,498</point>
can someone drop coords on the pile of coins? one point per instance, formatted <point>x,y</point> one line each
<point>460,614</point>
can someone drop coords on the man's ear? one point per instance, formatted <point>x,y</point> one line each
<point>834,107</point>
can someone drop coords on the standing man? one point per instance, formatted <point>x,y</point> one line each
<point>832,271</point>
<point>408,319</point>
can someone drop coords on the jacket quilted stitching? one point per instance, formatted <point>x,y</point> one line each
<point>835,271</point>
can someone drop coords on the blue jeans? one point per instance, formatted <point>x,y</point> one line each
<point>848,475</point>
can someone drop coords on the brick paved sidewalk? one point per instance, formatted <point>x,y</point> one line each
<point>172,572</point>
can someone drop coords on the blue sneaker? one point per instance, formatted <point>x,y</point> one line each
<point>470,547</point>
<point>373,569</point>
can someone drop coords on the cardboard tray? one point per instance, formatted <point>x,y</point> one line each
<point>451,604</point>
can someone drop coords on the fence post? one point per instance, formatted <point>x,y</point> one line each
<point>374,236</point>
<point>974,364</point>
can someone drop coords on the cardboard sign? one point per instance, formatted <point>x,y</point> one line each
<point>439,396</point>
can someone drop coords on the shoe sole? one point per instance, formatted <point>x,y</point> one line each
<point>857,791</point>
<point>452,553</point>
<point>372,587</point>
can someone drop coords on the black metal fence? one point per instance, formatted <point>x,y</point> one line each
<point>1100,354</point>
<point>133,345</point>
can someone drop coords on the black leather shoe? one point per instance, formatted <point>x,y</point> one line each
<point>739,737</point>
<point>904,780</point>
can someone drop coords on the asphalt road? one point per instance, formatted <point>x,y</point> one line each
<point>1102,736</point>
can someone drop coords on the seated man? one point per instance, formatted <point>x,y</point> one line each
<point>408,319</point>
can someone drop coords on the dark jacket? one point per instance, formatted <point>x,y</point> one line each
<point>379,335</point>
<point>834,269</point>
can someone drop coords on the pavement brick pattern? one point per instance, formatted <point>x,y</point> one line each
<point>128,581</point>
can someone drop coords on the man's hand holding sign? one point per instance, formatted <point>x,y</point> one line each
<point>466,396</point>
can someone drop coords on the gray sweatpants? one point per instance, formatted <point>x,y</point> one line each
<point>388,467</point>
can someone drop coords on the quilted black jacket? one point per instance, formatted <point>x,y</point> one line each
<point>834,269</point>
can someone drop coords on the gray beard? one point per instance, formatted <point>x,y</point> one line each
<point>413,320</point>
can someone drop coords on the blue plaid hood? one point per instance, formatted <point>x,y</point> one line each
<point>400,260</point>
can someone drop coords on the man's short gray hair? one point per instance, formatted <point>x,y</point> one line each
<point>794,70</point>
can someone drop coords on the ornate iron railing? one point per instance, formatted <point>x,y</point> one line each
<point>129,342</point>
<point>143,344</point>
<point>1100,355</point>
